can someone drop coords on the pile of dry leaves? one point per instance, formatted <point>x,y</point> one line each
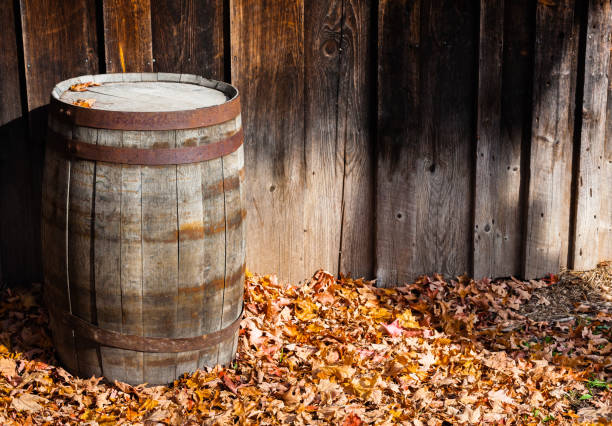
<point>342,351</point>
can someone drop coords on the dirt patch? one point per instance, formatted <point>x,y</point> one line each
<point>572,294</point>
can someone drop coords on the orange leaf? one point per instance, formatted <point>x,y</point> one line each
<point>352,420</point>
<point>85,103</point>
<point>81,87</point>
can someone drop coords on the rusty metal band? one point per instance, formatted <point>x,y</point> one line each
<point>130,120</point>
<point>139,156</point>
<point>144,344</point>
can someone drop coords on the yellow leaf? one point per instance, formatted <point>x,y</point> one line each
<point>88,415</point>
<point>407,320</point>
<point>148,405</point>
<point>249,391</point>
<point>305,310</point>
<point>84,103</point>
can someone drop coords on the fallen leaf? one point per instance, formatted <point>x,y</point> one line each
<point>84,103</point>
<point>28,402</point>
<point>81,87</point>
<point>8,367</point>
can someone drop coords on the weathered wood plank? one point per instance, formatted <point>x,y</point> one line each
<point>107,253</point>
<point>355,127</point>
<point>58,43</point>
<point>425,145</point>
<point>188,37</point>
<point>16,255</point>
<point>605,227</point>
<point>503,99</point>
<point>324,143</point>
<point>490,233</point>
<point>160,258</point>
<point>191,251</point>
<point>234,192</point>
<point>548,209</point>
<point>127,35</point>
<point>54,226</point>
<point>591,186</point>
<point>267,67</point>
<point>131,259</point>
<point>81,277</point>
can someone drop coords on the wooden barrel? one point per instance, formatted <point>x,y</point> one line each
<point>143,225</point>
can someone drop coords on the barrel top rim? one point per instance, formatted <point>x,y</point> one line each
<point>170,118</point>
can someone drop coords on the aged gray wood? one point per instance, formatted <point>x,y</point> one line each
<point>159,258</point>
<point>147,96</point>
<point>191,251</point>
<point>131,260</point>
<point>492,180</point>
<point>324,146</point>
<point>354,126</point>
<point>425,146</point>
<point>548,209</point>
<point>272,35</point>
<point>54,242</point>
<point>591,186</point>
<point>80,252</point>
<point>107,252</point>
<point>233,188</point>
<point>149,248</point>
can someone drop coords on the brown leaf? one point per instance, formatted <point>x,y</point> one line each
<point>82,87</point>
<point>8,367</point>
<point>84,103</point>
<point>28,402</point>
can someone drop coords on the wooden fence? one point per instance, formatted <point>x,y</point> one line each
<point>384,138</point>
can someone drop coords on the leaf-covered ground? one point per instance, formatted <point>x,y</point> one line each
<point>341,351</point>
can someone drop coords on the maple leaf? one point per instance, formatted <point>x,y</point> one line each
<point>352,420</point>
<point>8,367</point>
<point>228,382</point>
<point>84,103</point>
<point>81,87</point>
<point>28,402</point>
<point>500,395</point>
<point>305,310</point>
<point>394,329</point>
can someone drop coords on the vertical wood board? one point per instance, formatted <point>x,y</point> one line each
<point>591,185</point>
<point>550,168</point>
<point>188,37</point>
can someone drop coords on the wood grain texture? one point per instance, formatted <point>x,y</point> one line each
<point>548,209</point>
<point>131,260</point>
<point>106,256</point>
<point>16,250</point>
<point>267,67</point>
<point>605,225</point>
<point>355,128</point>
<point>160,255</point>
<point>188,37</point>
<point>234,193</point>
<point>425,145</point>
<point>338,199</point>
<point>54,242</point>
<point>591,185</point>
<point>213,219</point>
<point>504,76</point>
<point>127,35</point>
<point>191,251</point>
<point>324,146</point>
<point>58,43</point>
<point>81,251</point>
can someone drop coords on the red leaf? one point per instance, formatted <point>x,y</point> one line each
<point>352,420</point>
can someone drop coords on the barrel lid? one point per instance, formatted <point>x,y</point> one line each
<point>144,101</point>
